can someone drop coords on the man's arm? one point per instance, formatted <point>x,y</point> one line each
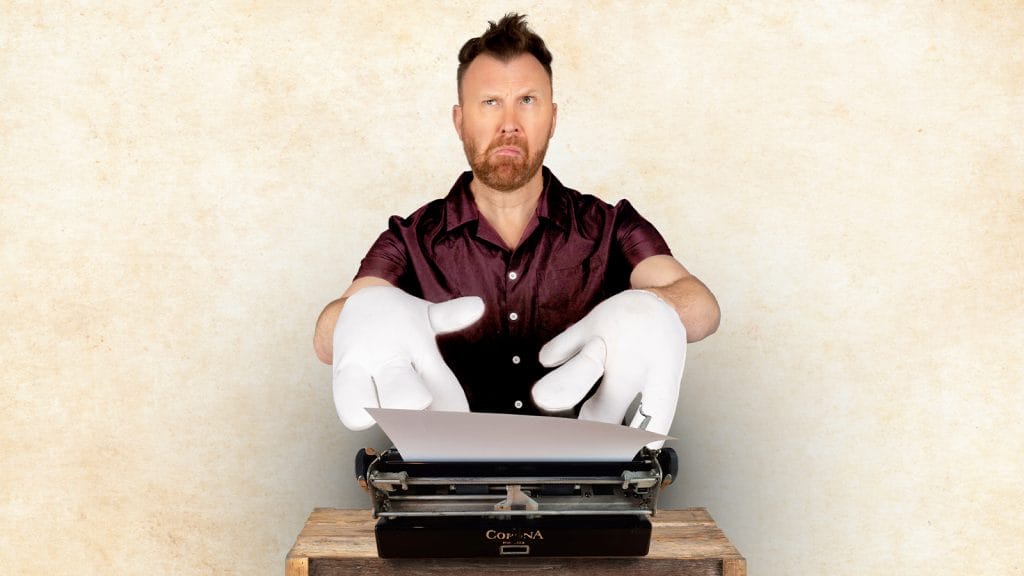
<point>693,302</point>
<point>323,334</point>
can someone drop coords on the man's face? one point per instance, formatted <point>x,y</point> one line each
<point>505,118</point>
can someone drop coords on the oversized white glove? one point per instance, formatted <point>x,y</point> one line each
<point>386,355</point>
<point>636,341</point>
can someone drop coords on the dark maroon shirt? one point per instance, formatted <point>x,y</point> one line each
<point>576,251</point>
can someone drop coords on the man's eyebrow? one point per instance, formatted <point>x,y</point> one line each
<point>498,95</point>
<point>534,93</point>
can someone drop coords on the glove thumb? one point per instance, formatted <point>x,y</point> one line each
<point>455,314</point>
<point>566,385</point>
<point>564,346</point>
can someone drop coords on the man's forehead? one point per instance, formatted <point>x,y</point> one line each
<point>522,71</point>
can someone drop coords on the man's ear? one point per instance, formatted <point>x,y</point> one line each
<point>554,119</point>
<point>457,119</point>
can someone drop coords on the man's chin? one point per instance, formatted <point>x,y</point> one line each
<point>503,177</point>
<point>504,182</point>
<point>506,177</point>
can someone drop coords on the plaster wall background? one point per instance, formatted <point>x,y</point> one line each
<point>183,188</point>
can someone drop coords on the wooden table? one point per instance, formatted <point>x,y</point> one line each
<point>684,543</point>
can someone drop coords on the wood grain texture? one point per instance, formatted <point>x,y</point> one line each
<point>296,566</point>
<point>684,543</point>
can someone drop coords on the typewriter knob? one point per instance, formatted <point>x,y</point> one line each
<point>669,462</point>
<point>364,458</point>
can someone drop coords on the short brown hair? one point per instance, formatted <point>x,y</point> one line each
<point>509,38</point>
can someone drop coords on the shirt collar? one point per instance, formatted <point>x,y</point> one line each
<point>459,206</point>
<point>460,209</point>
<point>553,205</point>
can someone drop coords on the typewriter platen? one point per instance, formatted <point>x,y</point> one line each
<point>474,509</point>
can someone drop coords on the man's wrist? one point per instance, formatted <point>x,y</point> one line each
<point>323,334</point>
<point>666,297</point>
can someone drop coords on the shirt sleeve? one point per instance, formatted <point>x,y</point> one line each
<point>388,258</point>
<point>637,238</point>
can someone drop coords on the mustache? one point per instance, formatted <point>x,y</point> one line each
<point>515,141</point>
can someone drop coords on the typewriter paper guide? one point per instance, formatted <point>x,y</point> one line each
<point>432,436</point>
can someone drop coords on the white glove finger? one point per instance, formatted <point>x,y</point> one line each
<point>566,385</point>
<point>354,391</point>
<point>399,386</point>
<point>565,345</point>
<point>444,387</point>
<point>614,396</point>
<point>455,314</point>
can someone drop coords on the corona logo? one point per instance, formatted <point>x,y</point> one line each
<point>513,535</point>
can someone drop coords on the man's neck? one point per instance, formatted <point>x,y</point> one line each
<point>509,212</point>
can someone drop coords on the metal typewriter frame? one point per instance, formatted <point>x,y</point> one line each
<point>410,489</point>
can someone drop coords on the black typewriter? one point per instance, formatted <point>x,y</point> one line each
<point>478,509</point>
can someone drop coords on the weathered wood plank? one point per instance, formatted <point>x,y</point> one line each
<point>734,567</point>
<point>296,567</point>
<point>519,566</point>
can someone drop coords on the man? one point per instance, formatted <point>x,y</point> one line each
<point>452,305</point>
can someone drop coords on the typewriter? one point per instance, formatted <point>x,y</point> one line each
<point>480,509</point>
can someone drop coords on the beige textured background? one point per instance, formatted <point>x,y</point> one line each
<point>184,188</point>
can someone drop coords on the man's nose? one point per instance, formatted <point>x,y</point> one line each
<point>510,121</point>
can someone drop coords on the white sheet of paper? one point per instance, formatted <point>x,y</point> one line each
<point>433,436</point>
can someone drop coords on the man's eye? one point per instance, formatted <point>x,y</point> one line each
<point>490,102</point>
<point>529,99</point>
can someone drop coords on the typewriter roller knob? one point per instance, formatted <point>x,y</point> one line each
<point>669,462</point>
<point>364,458</point>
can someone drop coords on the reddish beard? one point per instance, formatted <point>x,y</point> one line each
<point>502,172</point>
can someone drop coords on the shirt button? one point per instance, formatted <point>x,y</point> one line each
<point>516,360</point>
<point>513,316</point>
<point>518,404</point>
<point>512,275</point>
